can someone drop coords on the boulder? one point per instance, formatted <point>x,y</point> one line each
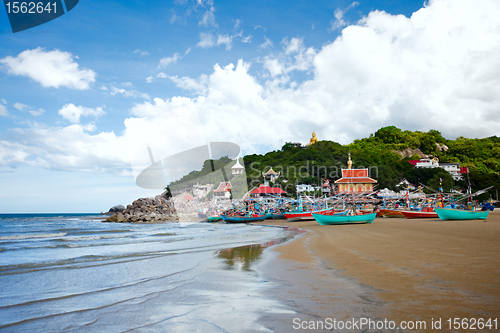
<point>116,209</point>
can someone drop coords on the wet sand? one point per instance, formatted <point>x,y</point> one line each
<point>398,269</point>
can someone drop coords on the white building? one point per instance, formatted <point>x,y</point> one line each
<point>305,188</point>
<point>452,168</point>
<point>237,169</point>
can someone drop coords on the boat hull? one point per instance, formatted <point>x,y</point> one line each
<point>214,218</point>
<point>390,213</point>
<point>459,214</point>
<point>410,214</point>
<point>343,219</point>
<point>242,219</point>
<point>299,216</point>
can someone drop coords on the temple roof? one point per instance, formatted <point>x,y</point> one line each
<point>188,197</point>
<point>356,180</point>
<point>223,187</point>
<point>354,172</point>
<point>237,165</point>
<point>264,189</point>
<point>270,172</point>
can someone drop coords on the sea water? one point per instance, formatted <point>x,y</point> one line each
<point>69,272</point>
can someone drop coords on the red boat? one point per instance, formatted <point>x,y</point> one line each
<point>299,215</point>
<point>425,213</point>
<point>389,213</point>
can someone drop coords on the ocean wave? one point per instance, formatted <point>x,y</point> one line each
<point>17,237</point>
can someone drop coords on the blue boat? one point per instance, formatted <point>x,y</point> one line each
<point>242,219</point>
<point>325,219</point>
<point>459,214</point>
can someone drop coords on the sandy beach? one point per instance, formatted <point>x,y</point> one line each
<point>394,269</point>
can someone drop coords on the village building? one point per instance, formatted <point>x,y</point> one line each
<point>355,180</point>
<point>266,190</point>
<point>237,169</point>
<point>223,191</point>
<point>453,169</point>
<point>200,191</point>
<point>304,188</point>
<point>273,175</point>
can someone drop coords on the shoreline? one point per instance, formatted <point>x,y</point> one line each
<point>395,269</point>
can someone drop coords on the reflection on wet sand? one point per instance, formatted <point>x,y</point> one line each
<point>241,258</point>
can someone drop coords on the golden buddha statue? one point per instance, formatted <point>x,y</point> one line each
<point>313,140</point>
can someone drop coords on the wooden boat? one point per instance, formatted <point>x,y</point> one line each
<point>299,215</point>
<point>214,218</point>
<point>242,219</point>
<point>389,213</point>
<point>425,213</point>
<point>333,212</point>
<point>459,214</point>
<point>325,219</point>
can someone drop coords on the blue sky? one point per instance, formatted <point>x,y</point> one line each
<point>84,95</point>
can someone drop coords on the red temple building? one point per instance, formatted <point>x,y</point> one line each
<point>355,180</point>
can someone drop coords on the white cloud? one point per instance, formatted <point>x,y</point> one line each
<point>104,88</point>
<point>149,79</point>
<point>3,110</point>
<point>73,113</point>
<point>164,62</point>
<point>161,75</point>
<point>339,21</point>
<point>23,108</point>
<point>51,69</point>
<point>438,69</point>
<point>128,93</point>
<point>206,40</point>
<point>142,53</point>
<point>295,56</point>
<point>199,85</point>
<point>3,100</point>
<point>266,44</point>
<point>225,39</point>
<point>208,18</point>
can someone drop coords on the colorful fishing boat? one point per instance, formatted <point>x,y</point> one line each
<point>242,219</point>
<point>425,213</point>
<point>214,218</point>
<point>325,219</point>
<point>299,216</point>
<point>459,214</point>
<point>389,213</point>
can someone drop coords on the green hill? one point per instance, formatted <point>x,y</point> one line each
<point>385,153</point>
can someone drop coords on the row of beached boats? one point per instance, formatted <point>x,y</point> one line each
<point>349,216</point>
<point>350,209</point>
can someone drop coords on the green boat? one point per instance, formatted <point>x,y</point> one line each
<point>459,214</point>
<point>214,218</point>
<point>324,219</point>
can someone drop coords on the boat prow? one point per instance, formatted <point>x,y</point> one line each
<point>325,219</point>
<point>459,214</point>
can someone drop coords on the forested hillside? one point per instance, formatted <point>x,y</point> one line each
<point>385,153</point>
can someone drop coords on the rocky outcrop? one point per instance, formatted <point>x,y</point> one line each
<point>146,210</point>
<point>441,147</point>
<point>116,209</point>
<point>409,152</point>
